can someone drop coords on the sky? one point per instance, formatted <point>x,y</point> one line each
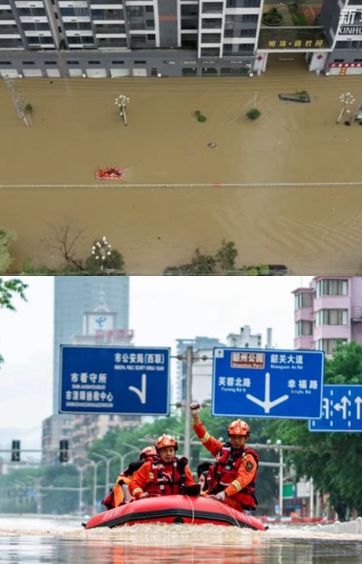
<point>162,309</point>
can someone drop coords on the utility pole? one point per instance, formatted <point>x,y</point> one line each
<point>188,399</point>
<point>17,101</point>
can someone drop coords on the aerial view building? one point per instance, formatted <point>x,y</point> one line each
<point>174,38</point>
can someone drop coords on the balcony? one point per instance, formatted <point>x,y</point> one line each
<point>356,314</point>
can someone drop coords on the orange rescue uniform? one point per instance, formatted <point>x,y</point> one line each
<point>244,477</point>
<point>143,479</point>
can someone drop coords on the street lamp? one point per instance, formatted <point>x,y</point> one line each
<point>81,470</point>
<point>107,468</point>
<point>280,449</point>
<point>123,456</point>
<point>346,99</point>
<point>101,250</point>
<point>121,102</point>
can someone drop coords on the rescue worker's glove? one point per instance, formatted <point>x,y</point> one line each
<point>220,496</point>
<point>144,494</point>
<point>195,409</point>
<point>193,490</point>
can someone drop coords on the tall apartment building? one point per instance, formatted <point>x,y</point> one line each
<point>330,309</point>
<point>74,295</point>
<point>100,329</point>
<point>161,38</point>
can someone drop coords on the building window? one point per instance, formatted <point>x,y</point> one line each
<point>5,63</point>
<point>357,60</point>
<point>50,62</point>
<point>331,317</point>
<point>332,288</point>
<point>94,62</point>
<point>117,62</point>
<point>303,328</point>
<point>72,62</point>
<point>139,62</point>
<point>338,61</point>
<point>28,63</point>
<point>342,45</point>
<point>303,300</point>
<point>250,18</point>
<point>328,345</point>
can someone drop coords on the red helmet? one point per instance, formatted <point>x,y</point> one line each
<point>148,451</point>
<point>166,441</point>
<point>239,428</point>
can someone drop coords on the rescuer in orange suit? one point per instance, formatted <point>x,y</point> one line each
<point>166,474</point>
<point>232,478</point>
<point>120,491</point>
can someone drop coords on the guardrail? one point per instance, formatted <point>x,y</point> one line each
<point>348,527</point>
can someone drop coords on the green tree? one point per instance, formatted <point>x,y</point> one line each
<point>113,262</point>
<point>226,256</point>
<point>9,288</point>
<point>334,464</point>
<point>5,257</point>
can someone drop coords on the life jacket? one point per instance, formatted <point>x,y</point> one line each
<point>226,469</point>
<point>160,482</point>
<point>115,498</point>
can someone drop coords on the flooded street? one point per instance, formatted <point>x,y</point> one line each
<point>286,188</point>
<point>29,540</point>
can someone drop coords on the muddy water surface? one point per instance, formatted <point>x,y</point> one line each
<point>28,541</point>
<point>286,188</point>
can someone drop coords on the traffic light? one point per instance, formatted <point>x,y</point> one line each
<point>15,451</point>
<point>64,451</point>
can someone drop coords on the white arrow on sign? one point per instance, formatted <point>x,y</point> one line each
<point>142,392</point>
<point>358,402</point>
<point>342,406</point>
<point>267,405</point>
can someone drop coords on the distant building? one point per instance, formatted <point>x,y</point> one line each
<point>198,343</point>
<point>202,368</point>
<point>74,295</point>
<point>87,428</point>
<point>330,309</point>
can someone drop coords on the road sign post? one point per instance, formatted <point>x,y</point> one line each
<point>283,384</point>
<point>123,380</point>
<point>341,409</point>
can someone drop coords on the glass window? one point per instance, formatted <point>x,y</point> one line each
<point>303,328</point>
<point>303,300</point>
<point>332,288</point>
<point>332,317</point>
<point>328,345</point>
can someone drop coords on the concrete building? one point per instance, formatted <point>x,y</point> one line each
<point>74,295</point>
<point>88,428</point>
<point>198,344</point>
<point>203,365</point>
<point>170,38</point>
<point>330,309</point>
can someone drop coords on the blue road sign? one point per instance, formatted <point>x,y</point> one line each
<point>284,384</point>
<point>341,409</point>
<point>124,380</point>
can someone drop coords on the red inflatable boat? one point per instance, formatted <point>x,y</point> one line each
<point>175,509</point>
<point>109,173</point>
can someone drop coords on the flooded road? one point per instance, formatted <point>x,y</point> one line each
<point>26,540</point>
<point>286,188</point>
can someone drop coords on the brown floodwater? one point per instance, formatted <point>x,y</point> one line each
<point>29,541</point>
<point>286,188</point>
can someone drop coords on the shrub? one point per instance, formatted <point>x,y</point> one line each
<point>29,108</point>
<point>201,118</point>
<point>253,114</point>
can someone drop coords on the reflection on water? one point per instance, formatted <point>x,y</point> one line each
<point>76,128</point>
<point>55,542</point>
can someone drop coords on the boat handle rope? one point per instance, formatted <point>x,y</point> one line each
<point>192,508</point>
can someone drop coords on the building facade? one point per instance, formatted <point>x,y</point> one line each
<point>100,329</point>
<point>173,38</point>
<point>202,367</point>
<point>330,309</point>
<point>74,295</point>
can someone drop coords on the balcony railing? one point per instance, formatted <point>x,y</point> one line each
<point>356,314</point>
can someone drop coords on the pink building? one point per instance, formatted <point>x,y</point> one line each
<point>330,309</point>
